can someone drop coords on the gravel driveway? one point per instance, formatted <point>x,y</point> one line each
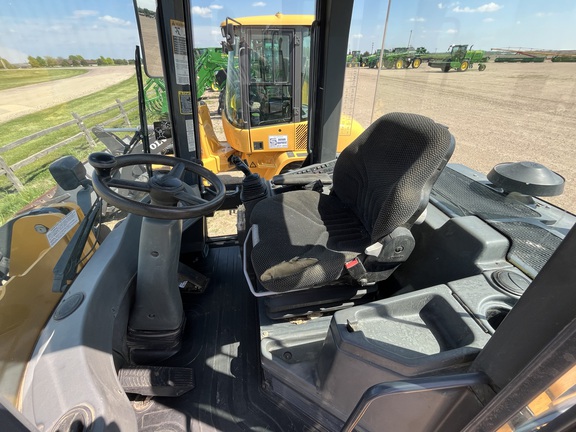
<point>20,101</point>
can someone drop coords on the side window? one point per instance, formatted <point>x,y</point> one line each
<point>305,73</point>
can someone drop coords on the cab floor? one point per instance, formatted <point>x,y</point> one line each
<point>222,346</point>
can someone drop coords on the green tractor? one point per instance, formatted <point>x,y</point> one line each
<point>401,58</point>
<point>398,58</point>
<point>354,58</point>
<point>460,59</point>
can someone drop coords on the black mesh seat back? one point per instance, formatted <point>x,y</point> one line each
<point>386,174</point>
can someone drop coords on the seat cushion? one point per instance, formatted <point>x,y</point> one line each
<point>305,239</point>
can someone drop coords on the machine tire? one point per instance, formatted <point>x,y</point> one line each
<point>407,64</point>
<point>481,67</point>
<point>446,68</point>
<point>388,64</point>
<point>399,64</point>
<point>291,166</point>
<point>416,63</point>
<point>464,66</point>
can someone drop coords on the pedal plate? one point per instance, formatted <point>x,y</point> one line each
<point>156,380</point>
<point>190,280</point>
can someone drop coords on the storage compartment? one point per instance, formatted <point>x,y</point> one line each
<point>495,315</point>
<point>424,324</point>
<point>403,336</point>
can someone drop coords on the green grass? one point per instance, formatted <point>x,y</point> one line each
<point>20,77</point>
<point>36,177</point>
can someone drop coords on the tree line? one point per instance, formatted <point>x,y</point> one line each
<point>74,60</point>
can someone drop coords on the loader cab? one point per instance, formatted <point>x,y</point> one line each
<point>267,82</point>
<point>386,285</point>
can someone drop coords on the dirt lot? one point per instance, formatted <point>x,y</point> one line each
<point>20,101</point>
<point>508,113</point>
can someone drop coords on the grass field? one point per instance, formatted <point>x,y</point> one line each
<point>36,177</point>
<point>20,77</point>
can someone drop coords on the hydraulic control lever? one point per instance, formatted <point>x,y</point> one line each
<point>241,165</point>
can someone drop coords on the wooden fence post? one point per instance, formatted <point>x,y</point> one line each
<point>11,176</point>
<point>123,112</point>
<point>84,129</point>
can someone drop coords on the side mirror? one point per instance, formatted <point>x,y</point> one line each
<point>229,36</point>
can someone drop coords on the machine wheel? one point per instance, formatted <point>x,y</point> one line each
<point>388,64</point>
<point>464,66</point>
<point>481,67</point>
<point>291,166</point>
<point>407,64</point>
<point>416,63</point>
<point>446,68</point>
<point>214,86</point>
<point>171,197</point>
<point>399,64</point>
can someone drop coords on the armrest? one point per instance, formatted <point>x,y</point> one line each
<point>301,179</point>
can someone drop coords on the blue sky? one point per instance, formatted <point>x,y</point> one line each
<point>107,27</point>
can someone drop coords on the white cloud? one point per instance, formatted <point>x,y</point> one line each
<point>357,36</point>
<point>216,32</point>
<point>451,5</point>
<point>114,20</point>
<point>204,12</point>
<point>84,13</point>
<point>216,7</point>
<point>544,14</point>
<point>451,31</point>
<point>488,7</point>
<point>488,20</point>
<point>259,4</point>
<point>417,19</point>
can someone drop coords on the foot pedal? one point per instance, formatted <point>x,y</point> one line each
<point>156,380</point>
<point>191,281</point>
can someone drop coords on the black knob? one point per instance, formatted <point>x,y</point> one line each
<point>103,163</point>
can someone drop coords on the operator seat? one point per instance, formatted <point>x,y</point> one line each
<point>360,232</point>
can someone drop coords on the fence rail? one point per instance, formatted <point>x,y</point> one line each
<point>9,170</point>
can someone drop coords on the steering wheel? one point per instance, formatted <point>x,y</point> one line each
<point>170,197</point>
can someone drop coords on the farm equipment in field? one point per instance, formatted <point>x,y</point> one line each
<point>209,62</point>
<point>354,58</point>
<point>460,59</point>
<point>210,75</point>
<point>398,58</point>
<point>532,55</point>
<point>401,58</point>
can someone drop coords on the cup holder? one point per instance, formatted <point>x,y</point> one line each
<point>495,315</point>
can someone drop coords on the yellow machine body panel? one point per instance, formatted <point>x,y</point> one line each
<point>215,154</point>
<point>26,299</point>
<point>278,19</point>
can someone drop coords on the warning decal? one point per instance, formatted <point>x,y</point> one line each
<point>180,53</point>
<point>185,98</point>
<point>190,135</point>
<point>63,227</point>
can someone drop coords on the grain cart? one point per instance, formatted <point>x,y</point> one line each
<point>461,59</point>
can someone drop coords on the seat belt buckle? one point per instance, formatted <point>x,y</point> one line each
<point>356,270</point>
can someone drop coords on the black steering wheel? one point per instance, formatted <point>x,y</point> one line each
<point>170,197</point>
